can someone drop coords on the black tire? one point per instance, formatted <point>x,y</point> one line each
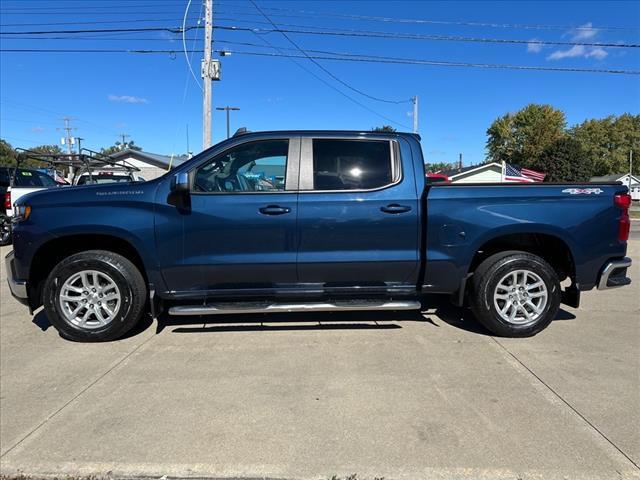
<point>5,230</point>
<point>130,283</point>
<point>486,279</point>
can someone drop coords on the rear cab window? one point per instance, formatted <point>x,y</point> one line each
<point>352,164</point>
<point>33,179</point>
<point>102,179</point>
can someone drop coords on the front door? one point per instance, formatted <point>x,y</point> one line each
<point>239,234</point>
<point>358,215</point>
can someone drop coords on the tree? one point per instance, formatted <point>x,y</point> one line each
<point>521,138</point>
<point>7,154</point>
<point>438,166</point>
<point>118,147</point>
<point>48,149</point>
<point>564,161</point>
<point>384,128</point>
<point>608,141</point>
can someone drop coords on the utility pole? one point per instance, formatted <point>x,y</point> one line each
<point>206,75</point>
<point>630,168</point>
<point>460,163</point>
<point>228,109</point>
<point>414,100</point>
<point>124,137</point>
<point>67,140</point>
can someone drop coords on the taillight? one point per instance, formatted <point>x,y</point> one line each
<point>623,201</point>
<point>7,200</point>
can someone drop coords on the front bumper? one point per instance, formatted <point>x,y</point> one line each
<point>614,274</point>
<point>18,287</point>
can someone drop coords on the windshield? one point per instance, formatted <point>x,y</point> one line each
<point>101,179</point>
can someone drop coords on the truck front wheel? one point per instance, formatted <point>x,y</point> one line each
<point>515,294</point>
<point>94,296</point>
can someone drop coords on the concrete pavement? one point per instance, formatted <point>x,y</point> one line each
<point>311,396</point>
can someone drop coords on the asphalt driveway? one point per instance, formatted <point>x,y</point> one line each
<point>312,396</point>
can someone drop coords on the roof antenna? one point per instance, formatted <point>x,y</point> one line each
<point>241,131</point>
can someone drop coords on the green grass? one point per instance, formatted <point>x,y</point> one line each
<point>634,213</point>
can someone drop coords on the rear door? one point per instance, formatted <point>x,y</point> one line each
<point>358,214</point>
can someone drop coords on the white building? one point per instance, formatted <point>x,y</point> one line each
<point>151,165</point>
<point>486,173</point>
<point>624,178</point>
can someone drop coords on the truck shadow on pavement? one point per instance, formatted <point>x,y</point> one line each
<point>434,311</point>
<point>463,318</point>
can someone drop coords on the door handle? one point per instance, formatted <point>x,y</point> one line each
<point>274,210</point>
<point>394,208</point>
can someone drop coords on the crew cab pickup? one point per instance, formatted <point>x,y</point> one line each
<point>313,221</point>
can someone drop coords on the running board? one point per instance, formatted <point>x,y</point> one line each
<point>236,308</point>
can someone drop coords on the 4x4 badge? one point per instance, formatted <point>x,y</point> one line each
<point>583,191</point>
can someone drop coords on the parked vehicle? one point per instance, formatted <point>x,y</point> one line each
<point>313,221</point>
<point>108,176</point>
<point>437,178</point>
<point>14,183</point>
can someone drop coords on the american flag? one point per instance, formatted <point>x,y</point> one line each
<point>513,173</point>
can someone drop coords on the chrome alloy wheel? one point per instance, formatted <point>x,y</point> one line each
<point>89,299</point>
<point>520,297</point>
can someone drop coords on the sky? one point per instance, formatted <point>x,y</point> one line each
<point>155,99</point>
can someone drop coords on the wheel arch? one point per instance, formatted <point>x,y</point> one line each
<point>551,247</point>
<point>49,254</point>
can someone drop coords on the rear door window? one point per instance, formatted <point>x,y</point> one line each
<point>351,164</point>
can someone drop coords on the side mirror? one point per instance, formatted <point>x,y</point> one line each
<point>180,183</point>
<point>179,194</point>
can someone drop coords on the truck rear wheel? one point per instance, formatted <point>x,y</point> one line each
<point>515,294</point>
<point>94,296</point>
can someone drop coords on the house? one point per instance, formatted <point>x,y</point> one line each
<point>624,178</point>
<point>486,173</point>
<point>151,165</point>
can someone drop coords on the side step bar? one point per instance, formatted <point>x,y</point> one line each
<point>235,308</point>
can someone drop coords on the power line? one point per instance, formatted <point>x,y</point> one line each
<point>315,14</point>
<point>326,70</point>
<point>333,87</point>
<point>417,36</point>
<point>103,30</point>
<point>184,45</point>
<point>353,58</point>
<point>93,22</point>
<point>335,32</point>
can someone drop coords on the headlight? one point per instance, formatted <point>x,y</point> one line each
<point>21,213</point>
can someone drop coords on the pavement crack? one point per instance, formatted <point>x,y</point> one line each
<point>46,420</point>
<point>566,402</point>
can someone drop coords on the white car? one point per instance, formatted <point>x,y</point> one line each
<point>25,181</point>
<point>107,176</point>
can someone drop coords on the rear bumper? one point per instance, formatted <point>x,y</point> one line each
<point>18,287</point>
<point>614,274</point>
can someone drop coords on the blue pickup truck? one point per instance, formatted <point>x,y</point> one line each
<point>313,221</point>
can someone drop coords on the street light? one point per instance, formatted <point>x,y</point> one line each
<point>227,109</point>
